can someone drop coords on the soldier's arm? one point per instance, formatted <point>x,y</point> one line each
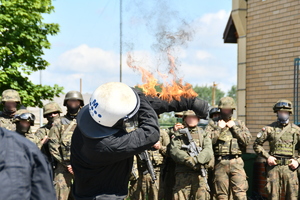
<point>242,133</point>
<point>212,131</point>
<point>165,141</point>
<point>178,155</point>
<point>40,134</point>
<point>262,136</point>
<point>207,153</point>
<point>54,142</point>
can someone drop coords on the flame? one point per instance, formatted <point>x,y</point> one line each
<point>169,92</point>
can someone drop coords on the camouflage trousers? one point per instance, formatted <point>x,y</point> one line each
<point>190,186</point>
<point>132,190</point>
<point>148,190</point>
<point>280,179</point>
<point>230,178</point>
<point>62,183</point>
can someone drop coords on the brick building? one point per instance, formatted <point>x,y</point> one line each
<point>267,34</point>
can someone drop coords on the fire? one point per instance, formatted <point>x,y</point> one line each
<point>169,92</point>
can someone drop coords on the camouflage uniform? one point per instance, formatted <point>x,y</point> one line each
<point>282,139</point>
<point>229,144</point>
<point>43,131</point>
<point>6,119</point>
<point>133,182</point>
<point>59,146</point>
<point>190,183</point>
<point>145,188</point>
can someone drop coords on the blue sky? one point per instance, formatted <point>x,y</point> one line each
<point>87,45</point>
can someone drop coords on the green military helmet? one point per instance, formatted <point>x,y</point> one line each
<point>10,95</point>
<point>189,113</point>
<point>284,105</point>
<point>227,103</point>
<point>213,110</point>
<point>74,95</point>
<point>51,107</point>
<point>24,114</point>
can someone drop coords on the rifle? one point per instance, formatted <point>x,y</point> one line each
<point>144,156</point>
<point>192,148</point>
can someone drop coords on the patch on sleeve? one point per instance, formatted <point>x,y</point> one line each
<point>173,136</point>
<point>259,134</point>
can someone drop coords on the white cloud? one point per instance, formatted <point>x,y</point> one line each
<point>207,59</point>
<point>202,55</point>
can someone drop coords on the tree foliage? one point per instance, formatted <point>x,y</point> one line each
<point>205,93</point>
<point>23,38</point>
<point>232,92</point>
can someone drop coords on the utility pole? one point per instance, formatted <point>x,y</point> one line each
<point>213,94</point>
<point>41,109</point>
<point>80,85</point>
<point>121,40</point>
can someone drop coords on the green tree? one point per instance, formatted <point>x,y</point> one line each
<point>205,93</point>
<point>23,37</point>
<point>232,92</point>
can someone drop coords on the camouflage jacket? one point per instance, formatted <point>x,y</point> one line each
<point>229,141</point>
<point>40,134</point>
<point>60,139</point>
<point>30,136</point>
<point>6,121</point>
<point>156,156</point>
<point>282,140</point>
<point>179,154</point>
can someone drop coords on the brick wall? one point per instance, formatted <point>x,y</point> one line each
<point>273,42</point>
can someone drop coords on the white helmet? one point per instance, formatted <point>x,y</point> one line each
<point>110,103</point>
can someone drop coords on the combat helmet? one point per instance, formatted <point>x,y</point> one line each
<point>227,103</point>
<point>24,114</point>
<point>74,95</point>
<point>51,107</point>
<point>10,95</point>
<point>284,105</point>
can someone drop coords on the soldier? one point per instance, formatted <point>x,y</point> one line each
<point>23,119</point>
<point>10,101</point>
<point>60,142</point>
<point>191,175</point>
<point>229,138</point>
<point>214,114</point>
<point>146,188</point>
<point>282,162</point>
<point>52,112</point>
<point>169,170</point>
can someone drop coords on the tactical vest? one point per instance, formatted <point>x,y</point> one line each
<point>283,143</point>
<point>156,157</point>
<point>65,140</point>
<point>197,135</point>
<point>227,144</point>
<point>7,123</point>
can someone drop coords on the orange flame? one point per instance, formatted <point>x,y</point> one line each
<point>169,92</point>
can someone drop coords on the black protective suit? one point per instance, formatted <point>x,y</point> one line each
<point>102,166</point>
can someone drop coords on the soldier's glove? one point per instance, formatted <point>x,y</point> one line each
<point>191,162</point>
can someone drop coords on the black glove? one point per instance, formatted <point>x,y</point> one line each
<point>200,107</point>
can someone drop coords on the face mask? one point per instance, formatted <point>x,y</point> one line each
<point>22,129</point>
<point>215,119</point>
<point>283,118</point>
<point>52,119</point>
<point>10,110</point>
<point>226,117</point>
<point>73,111</point>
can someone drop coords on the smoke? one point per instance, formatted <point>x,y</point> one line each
<point>171,33</point>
